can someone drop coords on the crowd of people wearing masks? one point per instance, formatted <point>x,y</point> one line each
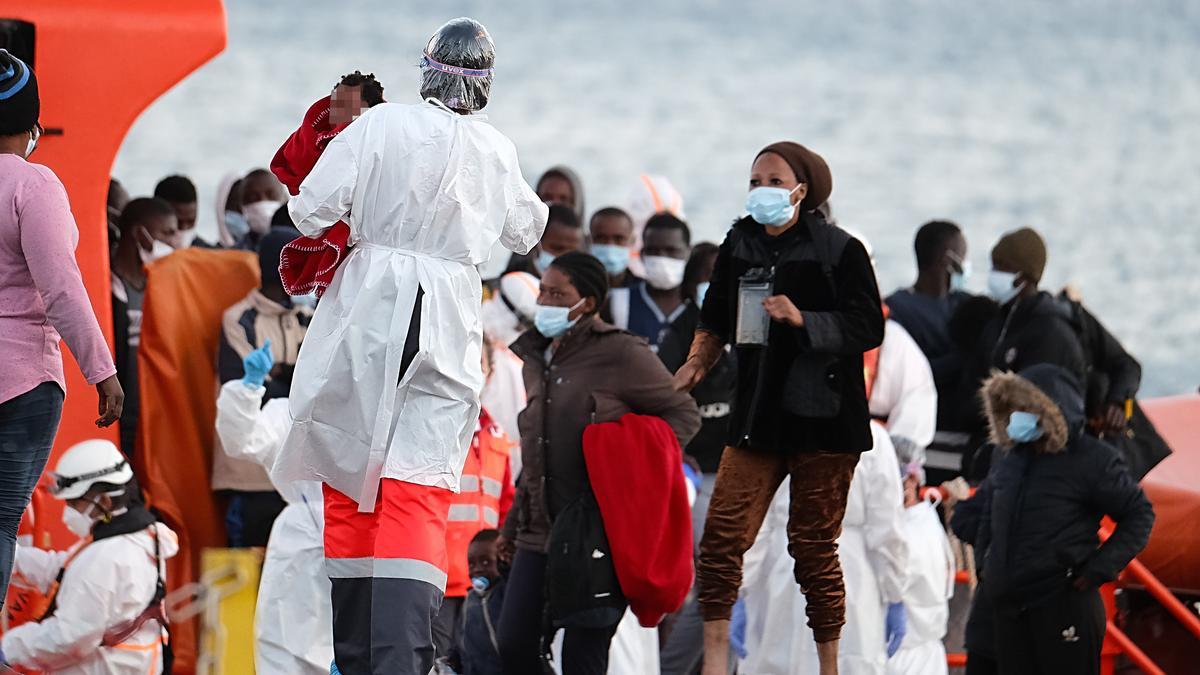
<point>631,452</point>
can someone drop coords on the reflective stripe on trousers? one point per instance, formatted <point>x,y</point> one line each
<point>388,573</point>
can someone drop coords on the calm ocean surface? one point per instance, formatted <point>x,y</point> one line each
<point>1080,119</point>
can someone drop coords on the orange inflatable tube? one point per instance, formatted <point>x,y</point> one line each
<point>99,65</point>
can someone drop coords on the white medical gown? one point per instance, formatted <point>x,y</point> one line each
<point>427,193</point>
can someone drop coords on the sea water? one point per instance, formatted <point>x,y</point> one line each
<point>1078,118</point>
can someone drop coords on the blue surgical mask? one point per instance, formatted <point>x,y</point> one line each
<point>1001,288</point>
<point>236,224</point>
<point>480,584</point>
<point>958,280</point>
<point>771,205</point>
<point>554,321</point>
<point>1024,427</point>
<point>543,260</point>
<point>701,291</point>
<point>614,258</point>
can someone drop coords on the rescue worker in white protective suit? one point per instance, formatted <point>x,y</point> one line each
<point>506,315</point>
<point>293,617</point>
<point>385,394</point>
<point>106,614</point>
<point>930,583</point>
<point>873,546</point>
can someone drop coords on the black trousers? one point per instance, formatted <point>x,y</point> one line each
<point>585,651</point>
<point>1058,637</point>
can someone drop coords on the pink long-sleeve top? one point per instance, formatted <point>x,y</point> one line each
<point>41,290</point>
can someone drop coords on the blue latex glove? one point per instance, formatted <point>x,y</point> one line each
<point>895,626</point>
<point>737,629</point>
<point>690,474</point>
<point>256,365</point>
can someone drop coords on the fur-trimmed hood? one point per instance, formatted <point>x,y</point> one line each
<point>1050,392</point>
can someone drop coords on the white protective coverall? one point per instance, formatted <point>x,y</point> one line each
<point>927,594</point>
<point>293,618</point>
<point>873,554</point>
<point>904,393</point>
<point>426,192</point>
<point>105,586</point>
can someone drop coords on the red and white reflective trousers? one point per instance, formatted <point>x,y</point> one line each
<point>388,574</point>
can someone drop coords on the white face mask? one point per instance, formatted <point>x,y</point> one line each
<point>258,215</point>
<point>662,272</point>
<point>158,251</point>
<point>80,524</point>
<point>183,239</point>
<point>33,141</point>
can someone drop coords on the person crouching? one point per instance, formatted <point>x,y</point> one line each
<point>106,593</point>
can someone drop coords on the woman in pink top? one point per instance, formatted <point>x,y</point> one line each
<point>41,297</point>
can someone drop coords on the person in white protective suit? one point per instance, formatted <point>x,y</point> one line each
<point>873,553</point>
<point>292,619</point>
<point>106,614</point>
<point>385,394</point>
<point>506,315</point>
<point>929,587</point>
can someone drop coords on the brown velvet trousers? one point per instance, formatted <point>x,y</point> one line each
<point>746,483</point>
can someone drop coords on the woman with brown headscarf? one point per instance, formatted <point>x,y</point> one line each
<point>797,297</point>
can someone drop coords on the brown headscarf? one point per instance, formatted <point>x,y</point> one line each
<point>810,168</point>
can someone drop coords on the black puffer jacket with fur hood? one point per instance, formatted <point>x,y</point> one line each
<point>1047,497</point>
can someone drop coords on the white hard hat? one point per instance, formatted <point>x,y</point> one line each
<point>87,463</point>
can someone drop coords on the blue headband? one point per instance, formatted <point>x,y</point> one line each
<point>455,70</point>
<point>21,82</point>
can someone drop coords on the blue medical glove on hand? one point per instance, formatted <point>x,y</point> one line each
<point>257,364</point>
<point>737,629</point>
<point>895,626</point>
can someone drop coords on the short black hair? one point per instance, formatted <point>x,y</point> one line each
<point>372,90</point>
<point>697,261</point>
<point>176,189</point>
<point>586,273</point>
<point>667,221</point>
<point>485,536</point>
<point>255,173</point>
<point>143,209</point>
<point>931,239</point>
<point>612,212</point>
<point>563,215</point>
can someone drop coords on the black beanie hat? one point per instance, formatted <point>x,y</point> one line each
<point>810,169</point>
<point>19,102</point>
<point>587,275</point>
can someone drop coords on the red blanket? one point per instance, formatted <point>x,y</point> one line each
<point>636,470</point>
<point>307,265</point>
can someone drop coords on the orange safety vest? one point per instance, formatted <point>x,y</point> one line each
<point>486,493</point>
<point>871,358</point>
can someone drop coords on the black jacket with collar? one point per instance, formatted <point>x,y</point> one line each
<point>1047,498</point>
<point>828,276</point>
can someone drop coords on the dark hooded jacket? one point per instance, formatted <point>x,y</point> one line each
<point>1046,498</point>
<point>1027,332</point>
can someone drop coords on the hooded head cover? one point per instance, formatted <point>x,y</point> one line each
<point>587,275</point>
<point>568,174</point>
<point>19,101</point>
<point>458,65</point>
<point>810,169</point>
<point>1023,251</point>
<point>1049,392</point>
